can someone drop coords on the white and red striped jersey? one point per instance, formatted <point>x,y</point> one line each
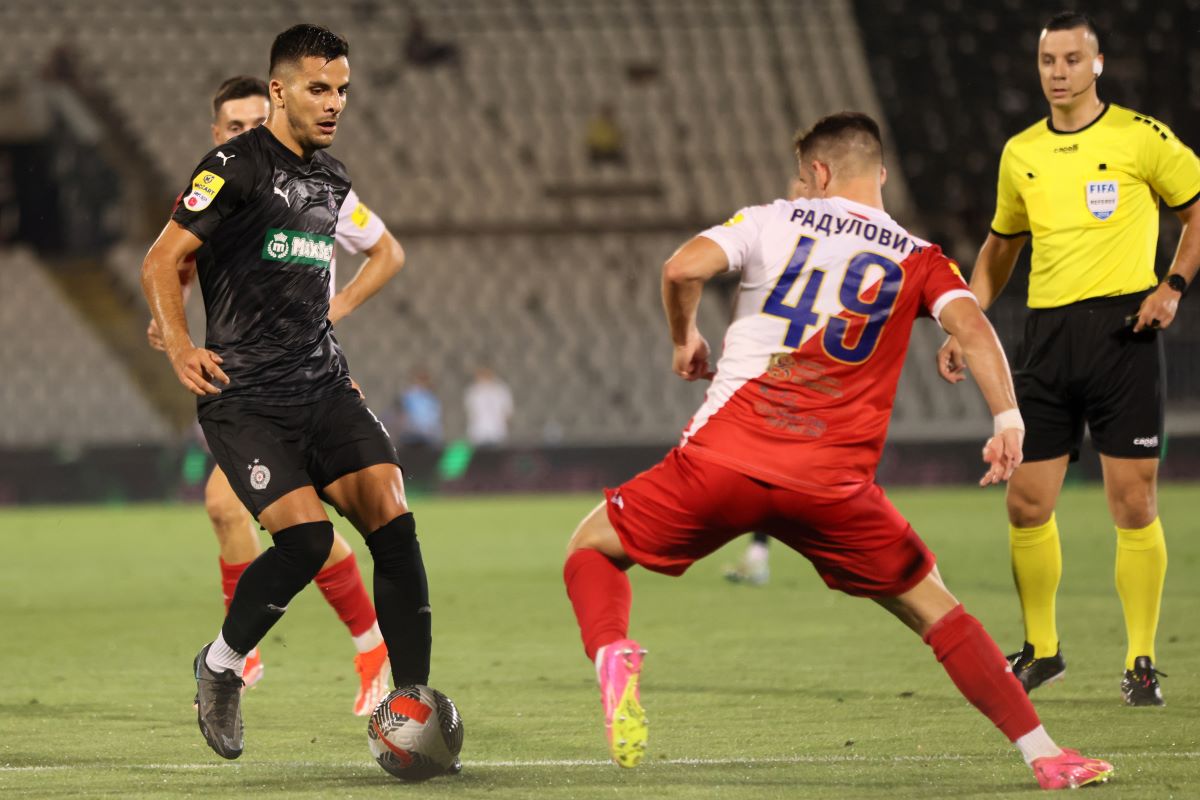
<point>804,389</point>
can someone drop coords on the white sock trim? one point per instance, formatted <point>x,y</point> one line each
<point>1037,744</point>
<point>370,639</point>
<point>222,657</point>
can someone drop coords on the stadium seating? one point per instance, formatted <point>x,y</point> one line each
<point>61,387</point>
<point>523,254</point>
<point>496,144</point>
<point>707,120</point>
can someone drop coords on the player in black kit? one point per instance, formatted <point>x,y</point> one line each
<point>284,423</point>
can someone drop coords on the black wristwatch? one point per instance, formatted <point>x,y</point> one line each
<point>1177,282</point>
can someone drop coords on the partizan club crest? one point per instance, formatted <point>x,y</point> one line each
<point>260,476</point>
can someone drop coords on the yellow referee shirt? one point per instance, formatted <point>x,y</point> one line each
<point>1089,198</point>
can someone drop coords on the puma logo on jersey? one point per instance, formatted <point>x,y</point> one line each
<point>224,158</point>
<point>283,194</point>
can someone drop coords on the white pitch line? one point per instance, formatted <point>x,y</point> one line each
<point>574,762</point>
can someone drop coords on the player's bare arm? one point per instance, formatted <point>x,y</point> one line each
<point>684,276</point>
<point>384,259</point>
<point>194,366</point>
<point>153,333</point>
<point>1159,309</point>
<point>993,268</point>
<point>964,320</point>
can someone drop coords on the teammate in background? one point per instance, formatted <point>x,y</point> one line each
<point>1084,184</point>
<point>241,103</point>
<point>792,428</point>
<point>754,567</point>
<point>286,424</point>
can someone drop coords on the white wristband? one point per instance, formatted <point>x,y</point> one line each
<point>1008,419</point>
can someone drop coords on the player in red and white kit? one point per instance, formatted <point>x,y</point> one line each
<point>792,428</point>
<point>241,103</point>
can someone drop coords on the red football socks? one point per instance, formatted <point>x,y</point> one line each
<point>601,596</point>
<point>343,589</point>
<point>229,578</point>
<point>980,672</point>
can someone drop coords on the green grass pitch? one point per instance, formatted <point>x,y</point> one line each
<point>788,690</point>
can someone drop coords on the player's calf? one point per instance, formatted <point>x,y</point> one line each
<point>985,678</point>
<point>402,599</point>
<point>273,579</point>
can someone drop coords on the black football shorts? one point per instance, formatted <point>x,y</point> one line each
<point>1082,363</point>
<point>267,451</point>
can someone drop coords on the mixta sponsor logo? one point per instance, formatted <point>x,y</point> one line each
<point>297,247</point>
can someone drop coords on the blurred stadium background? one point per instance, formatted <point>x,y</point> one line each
<point>469,139</point>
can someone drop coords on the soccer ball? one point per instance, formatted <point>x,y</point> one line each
<point>415,733</point>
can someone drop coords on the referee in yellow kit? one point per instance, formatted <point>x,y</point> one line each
<point>1085,185</point>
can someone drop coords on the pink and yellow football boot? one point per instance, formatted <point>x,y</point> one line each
<point>619,668</point>
<point>1070,770</point>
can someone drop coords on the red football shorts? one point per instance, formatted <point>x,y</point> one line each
<point>684,508</point>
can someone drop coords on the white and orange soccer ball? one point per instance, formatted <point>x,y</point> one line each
<point>415,733</point>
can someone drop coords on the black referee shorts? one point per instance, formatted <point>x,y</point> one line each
<point>267,451</point>
<point>1083,363</point>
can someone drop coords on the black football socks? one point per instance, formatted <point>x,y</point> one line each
<point>272,580</point>
<point>402,599</point>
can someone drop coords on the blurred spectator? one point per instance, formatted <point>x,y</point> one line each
<point>489,406</point>
<point>420,413</point>
<point>422,50</point>
<point>605,140</point>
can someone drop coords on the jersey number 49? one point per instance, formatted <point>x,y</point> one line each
<point>852,340</point>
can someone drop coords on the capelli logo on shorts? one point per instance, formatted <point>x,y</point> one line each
<point>1146,441</point>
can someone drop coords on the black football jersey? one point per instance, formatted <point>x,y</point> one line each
<point>267,219</point>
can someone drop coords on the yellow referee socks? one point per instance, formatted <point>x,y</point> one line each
<point>1037,568</point>
<point>1141,568</point>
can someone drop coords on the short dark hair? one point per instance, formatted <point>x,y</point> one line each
<point>236,88</point>
<point>841,131</point>
<point>1069,21</point>
<point>304,40</point>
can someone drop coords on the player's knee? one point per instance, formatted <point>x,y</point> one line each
<point>306,546</point>
<point>1134,506</point>
<point>226,513</point>
<point>597,533</point>
<point>376,499</point>
<point>592,532</point>
<point>1027,511</point>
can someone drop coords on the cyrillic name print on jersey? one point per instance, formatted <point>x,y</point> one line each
<point>804,389</point>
